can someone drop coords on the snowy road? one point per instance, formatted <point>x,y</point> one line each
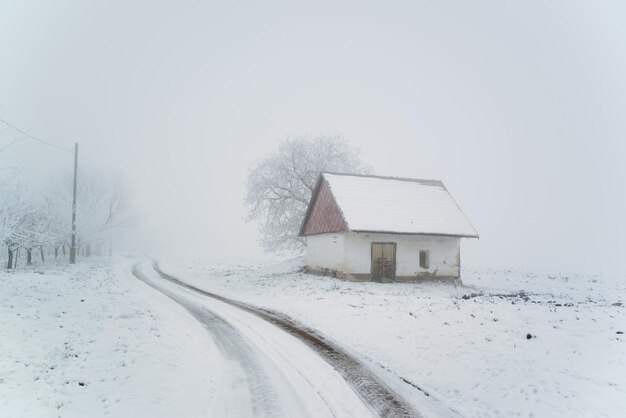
<point>274,367</point>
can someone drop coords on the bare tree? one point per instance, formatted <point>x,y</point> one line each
<point>104,205</point>
<point>35,230</point>
<point>12,207</point>
<point>32,220</point>
<point>280,185</point>
<point>24,221</point>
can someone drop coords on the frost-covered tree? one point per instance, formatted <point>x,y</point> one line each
<point>39,218</point>
<point>280,185</point>
<point>36,229</point>
<point>103,205</point>
<point>24,221</point>
<point>13,205</point>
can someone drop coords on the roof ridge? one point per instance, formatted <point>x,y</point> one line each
<point>407,179</point>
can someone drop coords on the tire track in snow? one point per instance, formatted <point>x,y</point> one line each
<point>379,397</point>
<point>232,345</point>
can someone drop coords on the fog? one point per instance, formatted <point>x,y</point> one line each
<point>518,107</point>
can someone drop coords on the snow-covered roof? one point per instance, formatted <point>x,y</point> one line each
<point>398,205</point>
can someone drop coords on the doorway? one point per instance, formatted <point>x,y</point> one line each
<point>383,261</point>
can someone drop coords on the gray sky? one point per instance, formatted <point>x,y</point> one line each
<point>519,107</point>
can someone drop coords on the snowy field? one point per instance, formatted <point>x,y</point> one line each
<point>505,343</point>
<point>110,337</point>
<point>91,340</point>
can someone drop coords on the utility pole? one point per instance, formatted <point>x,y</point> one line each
<point>73,246</point>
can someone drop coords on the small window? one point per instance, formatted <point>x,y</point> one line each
<point>424,259</point>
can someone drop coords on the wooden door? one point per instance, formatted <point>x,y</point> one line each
<point>383,261</point>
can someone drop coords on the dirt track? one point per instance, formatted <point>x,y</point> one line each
<point>370,388</point>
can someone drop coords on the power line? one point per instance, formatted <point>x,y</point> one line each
<point>50,144</point>
<point>2,148</point>
<point>75,152</point>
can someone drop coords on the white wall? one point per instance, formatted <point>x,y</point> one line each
<point>325,251</point>
<point>444,253</point>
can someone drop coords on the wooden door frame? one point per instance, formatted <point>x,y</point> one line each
<point>395,259</point>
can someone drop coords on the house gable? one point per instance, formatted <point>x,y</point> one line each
<point>324,215</point>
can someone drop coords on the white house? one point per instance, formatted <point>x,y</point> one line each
<point>384,228</point>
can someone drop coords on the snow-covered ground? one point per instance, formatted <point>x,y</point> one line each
<point>467,346</point>
<point>263,371</point>
<point>111,337</point>
<point>91,340</point>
